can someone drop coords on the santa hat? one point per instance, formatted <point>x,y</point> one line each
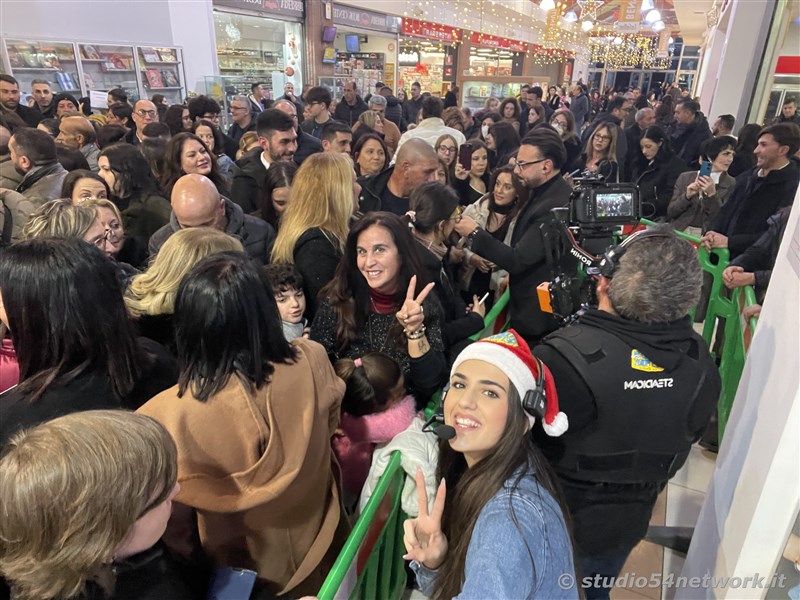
<point>509,353</point>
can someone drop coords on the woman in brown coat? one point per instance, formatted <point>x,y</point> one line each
<point>252,417</point>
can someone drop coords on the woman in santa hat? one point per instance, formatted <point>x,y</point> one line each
<point>498,527</point>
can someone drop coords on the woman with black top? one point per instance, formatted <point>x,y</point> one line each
<point>600,154</point>
<point>564,123</point>
<point>76,348</point>
<point>471,184</point>
<point>656,172</point>
<point>378,302</point>
<point>138,197</point>
<point>496,212</point>
<point>503,141</point>
<point>433,215</point>
<point>277,189</point>
<point>553,98</point>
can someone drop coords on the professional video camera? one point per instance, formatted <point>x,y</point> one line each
<point>578,236</point>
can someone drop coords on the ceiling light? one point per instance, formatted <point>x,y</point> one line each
<point>587,25</point>
<point>652,16</point>
<point>658,25</point>
<point>617,40</point>
<point>671,40</point>
<point>547,5</point>
<point>571,17</point>
<point>647,5</point>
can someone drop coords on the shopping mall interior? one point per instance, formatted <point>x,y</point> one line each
<point>730,513</point>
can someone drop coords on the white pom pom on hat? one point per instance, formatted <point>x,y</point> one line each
<point>510,353</point>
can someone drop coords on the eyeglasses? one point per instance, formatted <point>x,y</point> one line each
<point>458,215</point>
<point>521,164</point>
<point>447,149</point>
<point>238,108</point>
<point>602,137</point>
<point>146,113</point>
<point>210,117</point>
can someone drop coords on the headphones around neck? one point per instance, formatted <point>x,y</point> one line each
<point>609,262</point>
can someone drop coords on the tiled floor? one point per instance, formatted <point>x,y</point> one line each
<point>679,505</point>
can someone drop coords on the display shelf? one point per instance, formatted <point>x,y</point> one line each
<point>161,62</point>
<point>55,62</point>
<point>160,76</point>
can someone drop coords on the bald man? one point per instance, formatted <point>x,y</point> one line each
<point>144,113</point>
<point>77,132</point>
<point>416,163</point>
<point>307,144</point>
<point>197,203</point>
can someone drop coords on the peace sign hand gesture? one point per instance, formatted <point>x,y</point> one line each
<point>423,537</point>
<point>411,314</point>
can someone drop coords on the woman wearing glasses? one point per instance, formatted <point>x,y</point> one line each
<point>600,154</point>
<point>432,218</point>
<point>446,148</point>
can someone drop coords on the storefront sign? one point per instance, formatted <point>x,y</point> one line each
<point>408,57</point>
<point>537,50</point>
<point>366,19</point>
<point>490,41</point>
<point>551,26</point>
<point>279,8</point>
<point>431,31</point>
<point>629,16</point>
<point>663,43</point>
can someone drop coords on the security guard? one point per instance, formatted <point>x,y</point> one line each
<point>638,385</point>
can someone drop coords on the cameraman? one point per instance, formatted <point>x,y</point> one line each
<point>639,386</point>
<point>538,166</point>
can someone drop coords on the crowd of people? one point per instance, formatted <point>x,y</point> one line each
<point>206,333</point>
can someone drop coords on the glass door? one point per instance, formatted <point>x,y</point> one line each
<point>53,62</point>
<point>107,67</point>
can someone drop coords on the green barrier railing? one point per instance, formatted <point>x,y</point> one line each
<point>491,317</point>
<point>370,564</point>
<point>725,307</point>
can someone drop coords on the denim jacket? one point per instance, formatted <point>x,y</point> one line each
<point>503,561</point>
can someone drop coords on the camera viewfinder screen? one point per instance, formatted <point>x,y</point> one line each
<point>614,205</point>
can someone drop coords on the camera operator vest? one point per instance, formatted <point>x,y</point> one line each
<point>647,417</point>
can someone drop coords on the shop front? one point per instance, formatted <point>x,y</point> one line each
<point>365,50</point>
<point>495,70</point>
<point>259,41</point>
<point>428,55</point>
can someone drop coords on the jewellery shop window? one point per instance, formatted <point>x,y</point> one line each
<point>254,49</point>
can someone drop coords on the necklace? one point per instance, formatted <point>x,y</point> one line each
<point>369,329</point>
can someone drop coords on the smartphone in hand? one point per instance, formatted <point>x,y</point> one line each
<point>465,156</point>
<point>705,169</point>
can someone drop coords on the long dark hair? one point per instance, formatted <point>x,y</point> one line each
<point>280,174</point>
<point>432,202</point>
<point>132,173</point>
<point>469,490</point>
<point>219,141</point>
<point>227,323</point>
<point>369,384</point>
<point>659,136</point>
<point>522,196</point>
<point>172,164</point>
<point>349,293</point>
<point>173,118</point>
<point>359,145</point>
<point>506,140</point>
<point>66,315</point>
<point>74,176</point>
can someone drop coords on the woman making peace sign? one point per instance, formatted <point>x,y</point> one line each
<point>378,302</point>
<point>497,528</point>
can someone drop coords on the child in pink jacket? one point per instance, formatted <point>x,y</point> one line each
<point>374,410</point>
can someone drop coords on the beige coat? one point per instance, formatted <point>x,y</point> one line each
<point>257,469</point>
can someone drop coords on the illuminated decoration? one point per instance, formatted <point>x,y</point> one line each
<point>547,5</point>
<point>627,51</point>
<point>551,29</point>
<point>652,16</point>
<point>432,31</point>
<point>587,25</point>
<point>589,8</point>
<point>571,17</point>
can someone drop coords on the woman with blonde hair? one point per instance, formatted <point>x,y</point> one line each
<point>150,298</point>
<point>59,219</point>
<point>314,227</point>
<point>103,482</point>
<point>600,153</point>
<point>248,142</point>
<point>110,219</point>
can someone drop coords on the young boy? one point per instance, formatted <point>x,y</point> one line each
<point>287,284</point>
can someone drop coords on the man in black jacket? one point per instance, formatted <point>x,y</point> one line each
<point>760,193</point>
<point>317,108</point>
<point>277,137</point>
<point>638,386</point>
<point>351,106</point>
<point>394,110</point>
<point>389,190</point>
<point>203,107</point>
<point>196,203</point>
<point>9,101</point>
<point>688,132</point>
<point>413,103</point>
<point>307,144</point>
<point>538,166</point>
<point>644,118</point>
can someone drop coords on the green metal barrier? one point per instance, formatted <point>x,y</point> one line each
<point>491,317</point>
<point>370,564</point>
<point>734,352</point>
